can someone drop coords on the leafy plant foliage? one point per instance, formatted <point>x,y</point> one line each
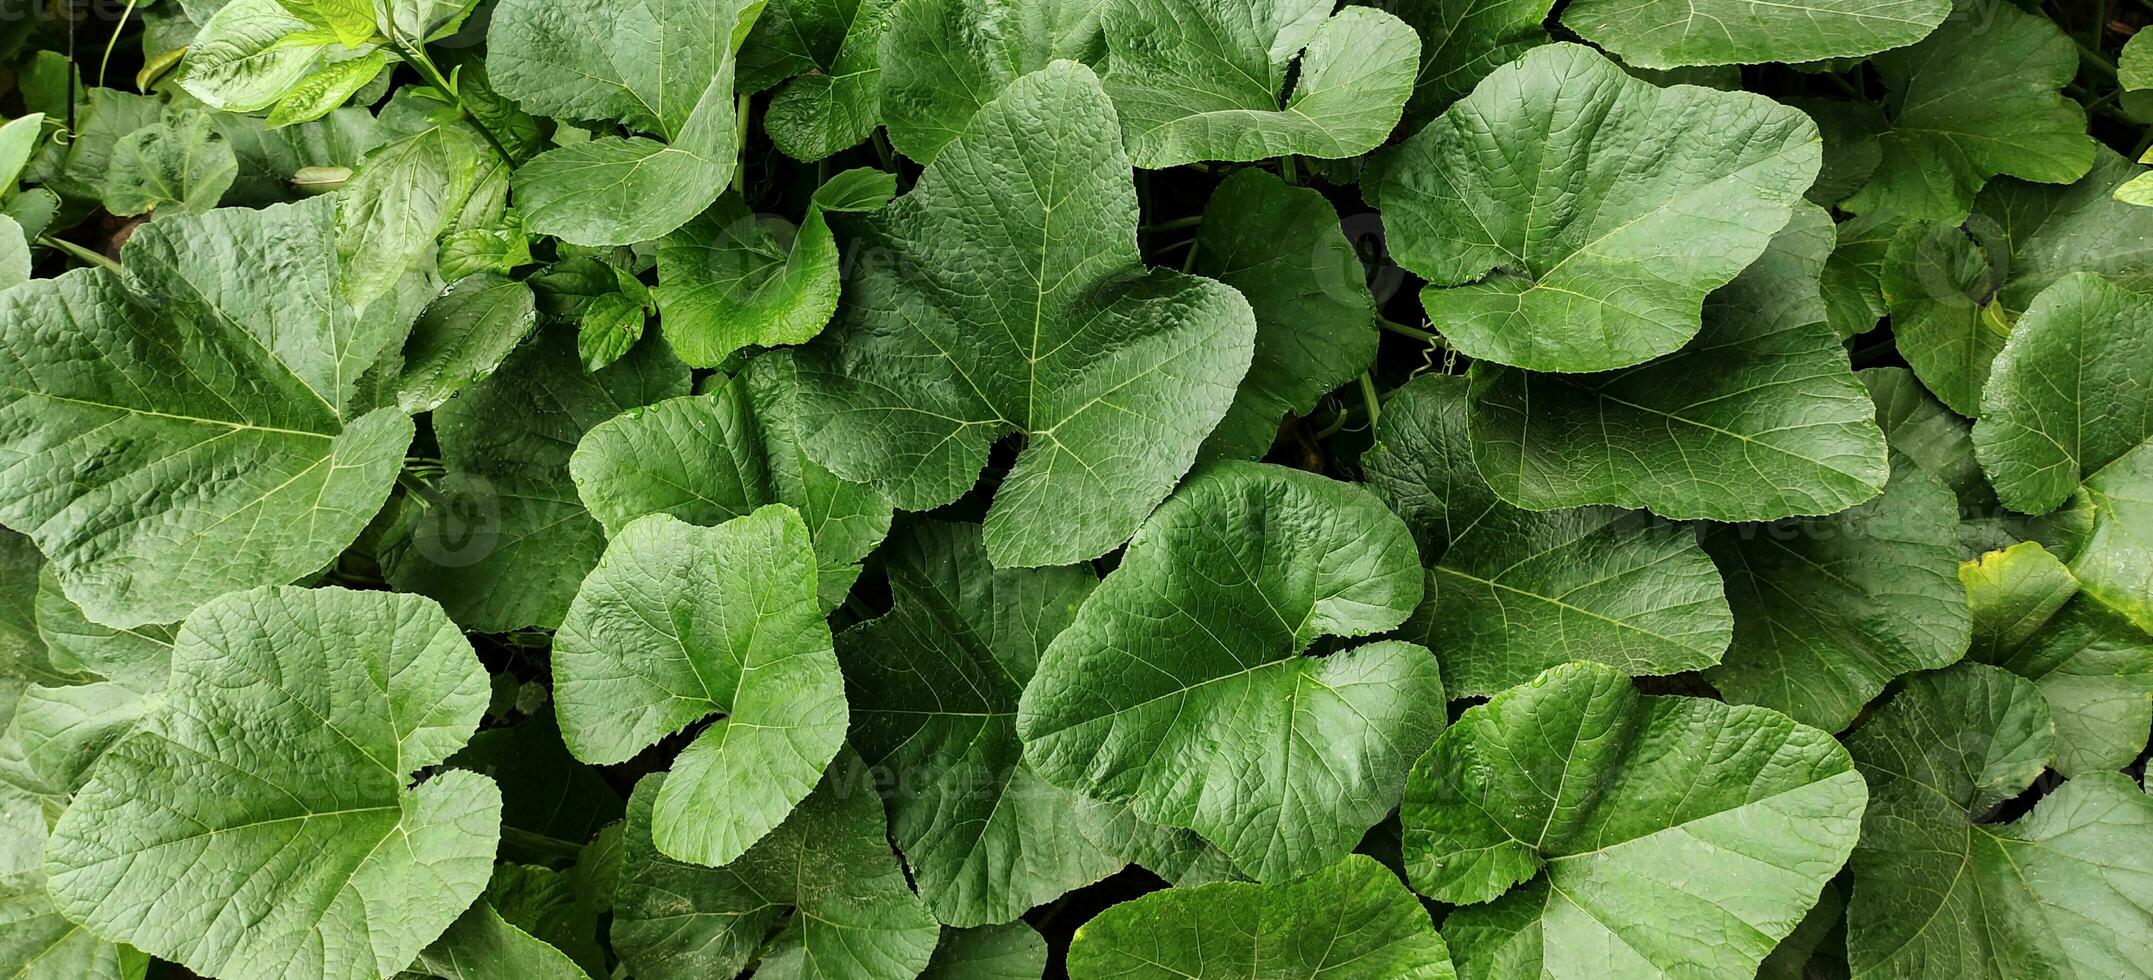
<point>1115,489</point>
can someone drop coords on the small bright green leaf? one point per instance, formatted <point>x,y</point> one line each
<point>2058,893</point>
<point>944,59</point>
<point>2134,66</point>
<point>1281,246</point>
<point>822,889</point>
<point>609,328</point>
<point>833,45</point>
<point>351,20</point>
<point>2094,668</point>
<point>1513,592</point>
<point>1955,290</point>
<point>1621,814</point>
<point>182,165</point>
<point>1351,919</point>
<point>2111,518</point>
<point>283,753</point>
<point>933,687</point>
<point>199,430</point>
<point>1827,610</point>
<point>732,279</point>
<point>1195,80</point>
<point>503,542</point>
<point>1544,236</point>
<point>714,457</point>
<point>2068,394</point>
<point>1671,33</point>
<point>462,337</point>
<point>1758,418</point>
<point>663,67</point>
<point>1009,296</point>
<point>680,622</point>
<point>1181,688</point>
<point>1009,952</point>
<point>1461,42</point>
<point>1979,98</point>
<point>322,92</point>
<point>18,139</point>
<point>252,52</point>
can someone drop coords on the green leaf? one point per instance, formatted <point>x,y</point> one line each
<point>251,53</point>
<point>663,67</point>
<point>2110,527</point>
<point>732,279</point>
<point>19,137</point>
<point>263,813</point>
<point>1008,952</point>
<point>35,940</point>
<point>823,889</point>
<point>1513,592</point>
<point>1621,814</point>
<point>1282,248</point>
<point>1461,42</point>
<point>2092,666</point>
<point>1828,610</point>
<point>1853,276</point>
<point>944,59</point>
<point>1671,33</point>
<point>1181,688</point>
<point>1758,418</point>
<point>199,430</point>
<point>405,193</point>
<point>1925,432</point>
<point>933,687</point>
<point>2065,396</point>
<point>2134,65</point>
<point>680,622</point>
<point>1351,919</point>
<point>462,337</point>
<point>182,165</point>
<point>90,686</point>
<point>714,457</point>
<point>1201,81</point>
<point>609,328</point>
<point>1979,98</point>
<point>503,542</point>
<point>833,46</point>
<point>1544,235</point>
<point>1851,150</point>
<point>14,254</point>
<point>1955,290</point>
<point>1010,297</point>
<point>480,945</point>
<point>2057,893</point>
<point>322,92</point>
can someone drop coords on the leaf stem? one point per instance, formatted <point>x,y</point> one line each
<point>2095,60</point>
<point>114,42</point>
<point>1414,332</point>
<point>1369,396</point>
<point>415,56</point>
<point>1178,223</point>
<point>83,255</point>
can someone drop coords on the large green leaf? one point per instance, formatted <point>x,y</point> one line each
<point>663,67</point>
<point>2067,395</point>
<point>200,429</point>
<point>1282,248</point>
<point>1513,592</point>
<point>1622,814</point>
<point>1201,80</point>
<point>944,59</point>
<point>2059,893</point>
<point>1980,97</point>
<point>820,898</point>
<point>1181,688</point>
<point>1827,610</point>
<point>933,687</point>
<point>1955,290</point>
<point>678,623</point>
<point>834,46</point>
<point>1461,42</point>
<point>92,690</point>
<point>710,458</point>
<point>405,193</point>
<point>1351,919</point>
<point>1760,417</point>
<point>36,941</point>
<point>264,816</point>
<point>503,540</point>
<point>2107,531</point>
<point>1671,33</point>
<point>2094,668</point>
<point>1007,295</point>
<point>1541,206</point>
